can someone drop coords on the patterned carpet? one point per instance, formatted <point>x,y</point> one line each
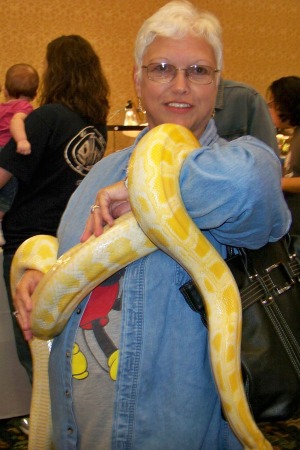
<point>282,435</point>
<point>11,437</point>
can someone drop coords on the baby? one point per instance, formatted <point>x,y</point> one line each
<point>20,89</point>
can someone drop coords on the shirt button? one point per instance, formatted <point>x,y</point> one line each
<point>70,431</point>
<point>78,310</point>
<point>68,354</point>
<point>68,393</point>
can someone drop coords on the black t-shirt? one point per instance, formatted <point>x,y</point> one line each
<point>64,147</point>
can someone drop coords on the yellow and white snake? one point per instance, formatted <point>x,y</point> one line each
<point>159,220</point>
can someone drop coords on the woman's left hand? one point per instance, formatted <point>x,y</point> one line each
<point>111,202</point>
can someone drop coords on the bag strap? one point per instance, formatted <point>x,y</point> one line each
<point>271,270</point>
<point>261,275</point>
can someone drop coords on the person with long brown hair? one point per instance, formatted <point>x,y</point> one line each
<point>68,135</point>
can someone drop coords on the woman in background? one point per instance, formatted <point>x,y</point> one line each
<point>67,134</point>
<point>283,98</point>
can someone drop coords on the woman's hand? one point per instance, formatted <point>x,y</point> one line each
<point>23,302</point>
<point>111,202</point>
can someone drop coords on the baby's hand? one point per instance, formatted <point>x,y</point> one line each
<point>24,147</point>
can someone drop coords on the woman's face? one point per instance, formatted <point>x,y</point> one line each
<point>180,101</point>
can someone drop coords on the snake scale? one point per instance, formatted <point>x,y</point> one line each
<point>158,220</point>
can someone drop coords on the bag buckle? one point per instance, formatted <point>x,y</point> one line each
<point>267,297</point>
<point>280,277</point>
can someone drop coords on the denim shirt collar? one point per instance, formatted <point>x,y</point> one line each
<point>208,138</point>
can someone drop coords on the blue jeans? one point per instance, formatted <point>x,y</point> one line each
<point>23,348</point>
<point>7,193</point>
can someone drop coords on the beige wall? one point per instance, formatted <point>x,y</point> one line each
<point>261,37</point>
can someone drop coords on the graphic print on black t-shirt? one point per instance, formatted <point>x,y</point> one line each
<point>85,150</point>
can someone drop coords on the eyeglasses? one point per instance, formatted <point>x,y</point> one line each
<point>165,73</point>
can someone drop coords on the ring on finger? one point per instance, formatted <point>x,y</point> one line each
<point>93,207</point>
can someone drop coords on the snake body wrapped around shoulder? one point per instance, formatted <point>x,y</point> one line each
<point>159,220</point>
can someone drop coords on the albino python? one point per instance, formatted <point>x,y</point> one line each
<point>158,210</point>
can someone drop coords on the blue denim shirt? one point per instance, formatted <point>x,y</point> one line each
<point>165,396</point>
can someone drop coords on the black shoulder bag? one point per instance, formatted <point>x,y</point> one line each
<point>269,283</point>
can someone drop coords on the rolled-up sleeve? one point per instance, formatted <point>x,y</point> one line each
<point>234,191</point>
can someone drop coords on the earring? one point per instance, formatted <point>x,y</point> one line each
<point>142,113</point>
<point>140,106</point>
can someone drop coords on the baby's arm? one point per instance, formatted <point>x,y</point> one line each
<point>17,130</point>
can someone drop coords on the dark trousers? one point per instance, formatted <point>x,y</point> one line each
<point>23,348</point>
<point>8,193</point>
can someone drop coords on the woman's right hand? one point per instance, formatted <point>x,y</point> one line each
<point>23,300</point>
